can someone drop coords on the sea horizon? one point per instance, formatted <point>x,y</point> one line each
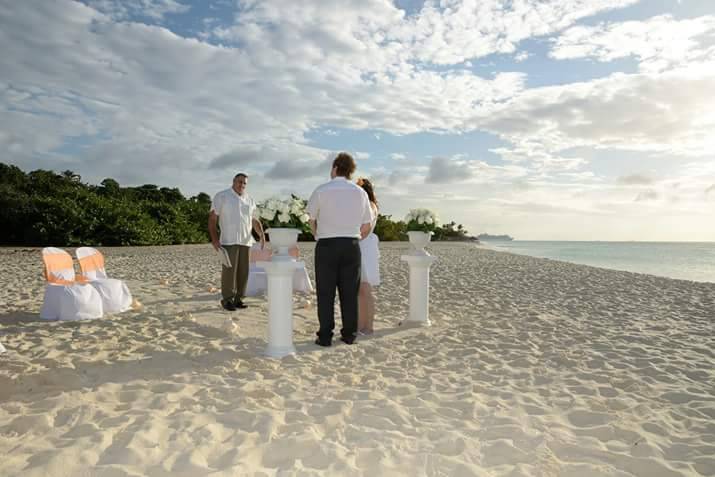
<point>682,260</point>
<point>607,241</point>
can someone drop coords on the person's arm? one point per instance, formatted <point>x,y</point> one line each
<point>312,210</point>
<point>258,227</point>
<point>213,232</point>
<point>366,216</point>
<point>365,230</point>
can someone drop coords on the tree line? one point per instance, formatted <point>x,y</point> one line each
<point>43,207</point>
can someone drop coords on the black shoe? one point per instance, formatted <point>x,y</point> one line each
<point>228,305</point>
<point>238,303</point>
<point>347,339</point>
<point>322,343</point>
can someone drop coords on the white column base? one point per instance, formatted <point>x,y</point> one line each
<point>278,351</point>
<point>419,289</point>
<point>409,323</point>
<point>279,275</point>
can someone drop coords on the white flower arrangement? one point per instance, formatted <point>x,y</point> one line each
<point>422,220</point>
<point>289,213</point>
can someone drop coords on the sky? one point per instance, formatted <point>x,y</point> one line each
<point>542,119</point>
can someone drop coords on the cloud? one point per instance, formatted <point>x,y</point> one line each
<point>635,179</point>
<point>647,195</point>
<point>467,29</point>
<point>148,92</point>
<point>258,155</point>
<point>443,170</point>
<point>659,43</point>
<point>530,207</point>
<point>289,169</point>
<point>125,9</point>
<point>235,158</point>
<point>521,56</point>
<point>397,156</point>
<point>669,113</point>
<point>397,180</point>
<point>538,159</point>
<point>404,176</point>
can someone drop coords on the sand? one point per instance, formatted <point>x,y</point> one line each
<point>532,367</point>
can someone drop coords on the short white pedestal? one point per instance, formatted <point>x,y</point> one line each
<point>419,288</point>
<point>279,275</point>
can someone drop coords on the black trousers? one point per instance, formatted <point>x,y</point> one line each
<point>337,265</point>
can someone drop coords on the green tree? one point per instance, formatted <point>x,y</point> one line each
<point>389,231</point>
<point>46,208</point>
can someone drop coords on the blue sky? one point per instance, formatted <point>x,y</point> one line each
<point>544,119</point>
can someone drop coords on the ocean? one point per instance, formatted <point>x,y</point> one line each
<point>683,260</point>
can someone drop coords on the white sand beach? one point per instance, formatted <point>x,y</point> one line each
<point>532,368</point>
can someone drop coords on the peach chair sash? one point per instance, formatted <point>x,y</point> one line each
<point>91,263</point>
<point>59,267</point>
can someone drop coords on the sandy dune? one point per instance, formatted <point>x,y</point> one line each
<point>532,367</point>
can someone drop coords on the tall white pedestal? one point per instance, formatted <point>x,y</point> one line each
<point>419,288</point>
<point>279,275</point>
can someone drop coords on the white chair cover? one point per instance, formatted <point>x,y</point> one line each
<point>115,293</point>
<point>258,282</point>
<point>71,302</point>
<point>52,303</point>
<point>80,302</point>
<point>64,298</point>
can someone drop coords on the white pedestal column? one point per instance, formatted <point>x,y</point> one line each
<point>279,276</point>
<point>419,288</point>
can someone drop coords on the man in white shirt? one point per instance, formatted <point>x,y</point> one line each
<point>339,216</point>
<point>233,210</point>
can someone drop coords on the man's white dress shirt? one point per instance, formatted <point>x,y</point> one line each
<point>235,217</point>
<point>339,207</point>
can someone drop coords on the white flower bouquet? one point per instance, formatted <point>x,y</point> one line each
<point>421,220</point>
<point>288,213</point>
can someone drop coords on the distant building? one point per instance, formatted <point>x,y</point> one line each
<point>494,238</point>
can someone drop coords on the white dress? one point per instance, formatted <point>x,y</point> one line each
<point>370,267</point>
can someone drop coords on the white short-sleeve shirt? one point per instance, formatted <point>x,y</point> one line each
<point>235,217</point>
<point>339,207</point>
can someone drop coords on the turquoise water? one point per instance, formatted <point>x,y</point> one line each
<point>683,260</point>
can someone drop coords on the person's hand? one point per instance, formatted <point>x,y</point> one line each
<point>216,244</point>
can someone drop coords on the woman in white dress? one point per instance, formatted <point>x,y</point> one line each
<point>370,267</point>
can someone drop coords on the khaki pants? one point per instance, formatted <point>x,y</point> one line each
<point>235,278</point>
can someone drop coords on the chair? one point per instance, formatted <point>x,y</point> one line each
<point>257,281</point>
<point>67,298</point>
<point>115,294</point>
